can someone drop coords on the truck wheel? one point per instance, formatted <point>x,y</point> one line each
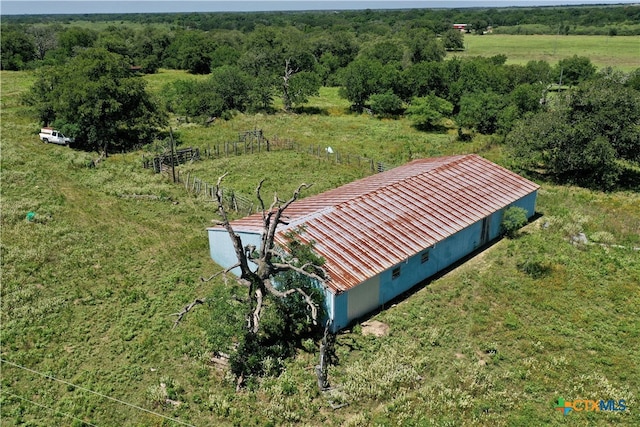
<point>45,140</point>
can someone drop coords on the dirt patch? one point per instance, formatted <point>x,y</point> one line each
<point>375,327</point>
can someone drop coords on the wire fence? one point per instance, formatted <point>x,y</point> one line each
<point>249,142</point>
<point>230,198</point>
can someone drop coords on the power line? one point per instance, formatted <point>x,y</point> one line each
<point>46,407</point>
<point>96,393</point>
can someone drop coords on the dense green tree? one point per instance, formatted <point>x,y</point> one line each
<point>453,39</point>
<point>385,104</point>
<point>149,47</point>
<point>17,49</point>
<point>327,67</point>
<point>633,80</point>
<point>480,111</point>
<point>191,98</point>
<point>300,87</point>
<point>117,39</point>
<point>581,140</point>
<point>384,51</point>
<point>74,38</point>
<point>232,86</point>
<point>424,46</point>
<point>574,70</point>
<point>340,42</point>
<point>608,109</point>
<point>297,49</point>
<point>428,112</point>
<point>224,55</point>
<point>190,50</point>
<point>539,72</point>
<point>474,75</point>
<point>479,25</point>
<point>263,91</point>
<point>527,98</point>
<point>265,52</point>
<point>361,79</point>
<point>281,57</point>
<point>422,79</point>
<point>95,98</point>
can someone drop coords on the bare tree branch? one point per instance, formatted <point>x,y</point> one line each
<point>310,303</point>
<point>274,291</point>
<point>220,272</point>
<point>186,309</point>
<point>258,278</point>
<point>273,226</point>
<point>259,196</point>
<point>307,298</point>
<point>235,239</point>
<point>257,312</point>
<point>281,267</point>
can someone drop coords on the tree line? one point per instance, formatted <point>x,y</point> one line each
<point>88,87</point>
<point>373,21</point>
<point>200,41</point>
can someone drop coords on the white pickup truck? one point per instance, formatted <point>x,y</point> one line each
<point>51,135</point>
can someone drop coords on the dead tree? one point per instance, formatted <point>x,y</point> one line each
<point>286,96</point>
<point>259,267</point>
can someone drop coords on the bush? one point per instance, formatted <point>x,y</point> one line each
<point>514,219</point>
<point>385,104</point>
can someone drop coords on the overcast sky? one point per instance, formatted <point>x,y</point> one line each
<point>156,6</point>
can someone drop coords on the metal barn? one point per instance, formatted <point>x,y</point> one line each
<point>383,234</point>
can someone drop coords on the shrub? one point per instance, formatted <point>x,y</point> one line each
<point>385,104</point>
<point>514,219</point>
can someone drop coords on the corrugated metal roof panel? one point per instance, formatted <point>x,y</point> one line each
<point>366,227</point>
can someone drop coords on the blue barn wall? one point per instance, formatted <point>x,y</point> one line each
<point>222,250</point>
<point>442,255</point>
<point>340,309</point>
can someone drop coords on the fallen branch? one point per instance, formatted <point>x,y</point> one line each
<point>143,197</point>
<point>186,309</point>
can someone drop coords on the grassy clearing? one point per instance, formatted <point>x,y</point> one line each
<point>621,52</point>
<point>88,289</point>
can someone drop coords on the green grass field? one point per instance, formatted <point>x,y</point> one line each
<point>621,52</point>
<point>90,285</point>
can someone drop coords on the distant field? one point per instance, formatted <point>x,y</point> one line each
<point>604,51</point>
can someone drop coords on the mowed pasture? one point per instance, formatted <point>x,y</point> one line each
<point>621,52</point>
<point>90,285</point>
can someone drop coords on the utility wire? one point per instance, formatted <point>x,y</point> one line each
<point>96,393</point>
<point>51,409</point>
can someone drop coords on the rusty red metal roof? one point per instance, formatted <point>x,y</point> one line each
<point>368,226</point>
